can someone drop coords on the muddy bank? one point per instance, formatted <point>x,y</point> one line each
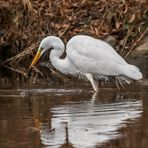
<point>140,56</point>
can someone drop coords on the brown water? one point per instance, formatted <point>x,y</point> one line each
<point>73,117</point>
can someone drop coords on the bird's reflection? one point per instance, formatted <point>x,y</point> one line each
<point>89,122</point>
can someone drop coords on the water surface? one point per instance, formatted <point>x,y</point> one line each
<point>72,116</point>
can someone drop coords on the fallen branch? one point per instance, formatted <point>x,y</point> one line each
<point>16,70</point>
<point>22,54</point>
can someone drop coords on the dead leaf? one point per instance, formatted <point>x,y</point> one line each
<point>132,18</point>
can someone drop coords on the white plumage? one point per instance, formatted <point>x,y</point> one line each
<point>88,57</point>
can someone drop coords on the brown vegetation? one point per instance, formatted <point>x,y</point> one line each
<point>26,22</point>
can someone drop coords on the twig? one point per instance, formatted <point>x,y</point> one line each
<point>57,74</point>
<point>136,42</point>
<point>22,54</point>
<point>125,40</point>
<point>37,70</point>
<point>16,70</point>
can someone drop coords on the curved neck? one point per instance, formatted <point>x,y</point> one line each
<point>63,65</point>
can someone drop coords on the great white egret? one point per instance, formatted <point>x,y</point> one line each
<point>87,57</point>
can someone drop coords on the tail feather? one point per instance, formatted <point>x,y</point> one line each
<point>132,72</point>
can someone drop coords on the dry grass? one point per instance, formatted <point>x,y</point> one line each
<point>28,21</point>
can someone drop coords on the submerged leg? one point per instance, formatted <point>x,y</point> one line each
<point>93,83</point>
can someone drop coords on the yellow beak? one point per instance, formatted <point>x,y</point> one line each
<point>36,58</point>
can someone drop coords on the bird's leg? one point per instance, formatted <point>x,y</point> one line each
<point>93,83</point>
<point>94,96</point>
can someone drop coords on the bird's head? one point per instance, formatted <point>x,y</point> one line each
<point>49,42</point>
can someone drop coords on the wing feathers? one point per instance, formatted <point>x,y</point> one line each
<point>94,56</point>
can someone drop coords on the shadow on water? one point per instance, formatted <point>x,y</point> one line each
<point>76,118</point>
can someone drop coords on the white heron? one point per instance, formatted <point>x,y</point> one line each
<point>87,57</point>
